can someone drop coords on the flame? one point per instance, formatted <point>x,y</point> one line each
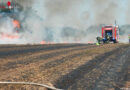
<point>16,23</point>
<point>11,36</point>
<point>4,36</point>
<point>43,42</point>
<point>90,42</point>
<point>65,42</point>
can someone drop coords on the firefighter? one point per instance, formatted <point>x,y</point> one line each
<point>99,40</point>
<point>108,37</point>
<point>97,44</point>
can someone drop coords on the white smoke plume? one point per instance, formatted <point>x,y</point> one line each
<point>70,21</point>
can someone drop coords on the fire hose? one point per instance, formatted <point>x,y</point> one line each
<point>31,83</point>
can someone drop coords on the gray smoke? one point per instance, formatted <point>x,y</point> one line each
<point>71,20</point>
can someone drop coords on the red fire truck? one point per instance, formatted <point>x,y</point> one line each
<point>110,33</point>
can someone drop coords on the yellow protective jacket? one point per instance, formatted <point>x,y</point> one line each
<point>129,36</point>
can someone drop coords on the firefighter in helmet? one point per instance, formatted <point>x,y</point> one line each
<point>108,36</point>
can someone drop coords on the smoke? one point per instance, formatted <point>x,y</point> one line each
<point>69,20</point>
<point>124,33</point>
<point>6,25</point>
<point>6,29</point>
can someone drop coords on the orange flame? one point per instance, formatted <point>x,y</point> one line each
<point>43,42</point>
<point>16,23</point>
<point>90,42</point>
<point>9,36</point>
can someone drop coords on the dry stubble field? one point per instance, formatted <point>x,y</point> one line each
<point>65,66</point>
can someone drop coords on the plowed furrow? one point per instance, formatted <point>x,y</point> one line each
<point>44,57</point>
<point>92,73</point>
<point>19,51</point>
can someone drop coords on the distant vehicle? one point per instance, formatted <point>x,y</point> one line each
<point>110,33</point>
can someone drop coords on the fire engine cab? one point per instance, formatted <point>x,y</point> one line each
<point>110,33</point>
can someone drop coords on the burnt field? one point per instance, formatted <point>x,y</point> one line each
<point>66,66</point>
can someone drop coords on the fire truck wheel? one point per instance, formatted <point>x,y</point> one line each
<point>114,41</point>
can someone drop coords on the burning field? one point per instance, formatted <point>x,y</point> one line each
<point>65,66</point>
<point>34,21</point>
<point>52,42</point>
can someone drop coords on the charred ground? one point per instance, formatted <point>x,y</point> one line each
<point>66,66</point>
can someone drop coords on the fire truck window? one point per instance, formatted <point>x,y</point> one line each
<point>108,33</point>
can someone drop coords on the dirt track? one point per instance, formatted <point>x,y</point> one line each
<point>66,66</point>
